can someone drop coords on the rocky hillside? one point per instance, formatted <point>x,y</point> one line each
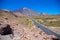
<point>20,28</point>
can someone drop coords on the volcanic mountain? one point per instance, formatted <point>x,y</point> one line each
<point>27,12</point>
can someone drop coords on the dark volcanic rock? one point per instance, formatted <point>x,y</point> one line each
<point>6,30</point>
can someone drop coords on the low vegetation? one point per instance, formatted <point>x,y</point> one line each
<point>49,20</point>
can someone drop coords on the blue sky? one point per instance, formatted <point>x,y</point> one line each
<point>45,6</point>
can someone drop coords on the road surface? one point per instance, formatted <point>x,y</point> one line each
<point>46,30</point>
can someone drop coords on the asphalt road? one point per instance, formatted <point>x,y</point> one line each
<point>46,30</point>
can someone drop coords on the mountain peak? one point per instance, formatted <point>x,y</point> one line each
<point>25,8</point>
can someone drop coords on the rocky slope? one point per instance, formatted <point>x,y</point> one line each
<point>20,28</point>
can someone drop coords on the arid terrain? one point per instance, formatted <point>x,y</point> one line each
<point>52,22</point>
<point>13,27</point>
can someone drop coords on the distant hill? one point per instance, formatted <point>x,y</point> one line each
<point>27,12</point>
<point>16,14</point>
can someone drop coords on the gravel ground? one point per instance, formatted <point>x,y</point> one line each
<point>55,29</point>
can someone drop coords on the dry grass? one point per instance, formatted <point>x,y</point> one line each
<point>49,20</point>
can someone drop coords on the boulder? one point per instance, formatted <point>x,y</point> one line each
<point>5,29</point>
